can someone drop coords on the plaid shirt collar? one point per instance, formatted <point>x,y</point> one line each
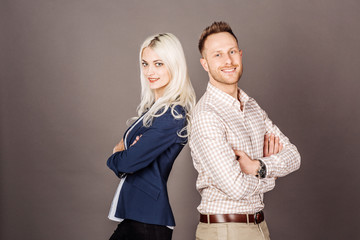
<point>225,98</point>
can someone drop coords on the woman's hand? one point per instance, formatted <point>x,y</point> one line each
<point>136,139</point>
<point>119,147</point>
<point>271,145</point>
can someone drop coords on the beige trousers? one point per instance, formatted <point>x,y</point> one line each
<point>232,231</point>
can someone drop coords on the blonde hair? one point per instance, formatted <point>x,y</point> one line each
<point>179,90</point>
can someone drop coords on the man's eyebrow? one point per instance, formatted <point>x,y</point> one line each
<point>222,50</point>
<point>215,51</point>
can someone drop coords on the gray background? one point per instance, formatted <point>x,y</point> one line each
<point>70,79</point>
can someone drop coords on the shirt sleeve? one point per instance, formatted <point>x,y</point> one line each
<point>154,141</point>
<point>213,154</point>
<point>287,160</point>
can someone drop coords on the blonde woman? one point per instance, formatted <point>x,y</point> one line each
<point>144,157</point>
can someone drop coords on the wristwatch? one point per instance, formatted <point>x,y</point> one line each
<point>261,173</point>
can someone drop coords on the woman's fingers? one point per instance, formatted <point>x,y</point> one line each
<point>119,147</point>
<point>136,139</point>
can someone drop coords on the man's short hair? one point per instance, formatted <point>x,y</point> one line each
<point>216,27</point>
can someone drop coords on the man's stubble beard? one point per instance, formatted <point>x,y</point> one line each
<point>220,79</point>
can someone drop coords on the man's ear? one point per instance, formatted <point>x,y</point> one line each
<point>204,64</point>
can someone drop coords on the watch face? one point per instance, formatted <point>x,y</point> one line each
<point>262,170</point>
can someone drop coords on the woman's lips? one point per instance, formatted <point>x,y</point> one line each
<point>152,80</point>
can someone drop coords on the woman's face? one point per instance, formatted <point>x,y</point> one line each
<point>155,71</point>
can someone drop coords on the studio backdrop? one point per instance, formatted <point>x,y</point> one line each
<point>70,79</point>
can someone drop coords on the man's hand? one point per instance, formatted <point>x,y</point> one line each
<point>250,166</point>
<point>247,165</point>
<point>271,145</point>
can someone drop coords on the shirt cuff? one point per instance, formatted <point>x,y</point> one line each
<point>270,165</point>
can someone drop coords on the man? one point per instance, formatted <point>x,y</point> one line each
<point>227,143</point>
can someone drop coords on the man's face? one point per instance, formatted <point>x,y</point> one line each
<point>222,59</point>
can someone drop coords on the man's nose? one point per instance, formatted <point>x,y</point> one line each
<point>228,59</point>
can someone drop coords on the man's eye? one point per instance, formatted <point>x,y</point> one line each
<point>217,55</point>
<point>232,52</point>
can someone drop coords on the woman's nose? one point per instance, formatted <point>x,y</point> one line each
<point>149,71</point>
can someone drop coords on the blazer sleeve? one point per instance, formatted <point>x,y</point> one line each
<point>156,139</point>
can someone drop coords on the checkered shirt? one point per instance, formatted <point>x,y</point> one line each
<point>218,127</point>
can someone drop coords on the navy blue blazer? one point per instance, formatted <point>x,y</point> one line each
<point>148,163</point>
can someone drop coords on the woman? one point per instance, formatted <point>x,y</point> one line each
<point>144,157</point>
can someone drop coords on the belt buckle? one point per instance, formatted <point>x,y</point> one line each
<point>257,216</point>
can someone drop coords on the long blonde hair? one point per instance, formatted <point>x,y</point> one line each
<point>179,91</point>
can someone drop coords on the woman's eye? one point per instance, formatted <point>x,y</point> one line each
<point>144,64</point>
<point>217,55</point>
<point>232,52</point>
<point>159,64</point>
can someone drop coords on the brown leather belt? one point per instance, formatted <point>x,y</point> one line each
<point>239,218</point>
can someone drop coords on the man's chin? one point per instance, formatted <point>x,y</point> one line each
<point>230,81</point>
<point>231,78</point>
